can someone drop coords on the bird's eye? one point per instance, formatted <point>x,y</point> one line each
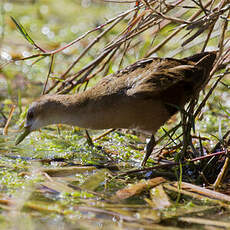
<point>30,115</point>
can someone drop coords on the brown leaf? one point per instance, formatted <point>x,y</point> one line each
<point>159,198</point>
<point>135,189</point>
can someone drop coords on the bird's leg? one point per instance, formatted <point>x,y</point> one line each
<point>100,148</point>
<point>149,148</point>
<point>89,139</point>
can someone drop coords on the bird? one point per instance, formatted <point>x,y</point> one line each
<point>142,96</point>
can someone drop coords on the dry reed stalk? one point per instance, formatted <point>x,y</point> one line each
<point>5,130</point>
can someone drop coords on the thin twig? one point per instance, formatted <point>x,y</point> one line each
<point>88,47</point>
<point>104,134</point>
<point>5,130</point>
<point>171,164</point>
<point>169,37</point>
<point>50,71</point>
<point>224,30</point>
<point>208,37</point>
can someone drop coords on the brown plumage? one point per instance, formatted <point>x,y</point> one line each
<point>142,96</point>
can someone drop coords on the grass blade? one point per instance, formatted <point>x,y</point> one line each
<point>23,31</point>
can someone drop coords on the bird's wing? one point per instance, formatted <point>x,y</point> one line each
<point>124,78</point>
<point>152,76</point>
<point>158,77</point>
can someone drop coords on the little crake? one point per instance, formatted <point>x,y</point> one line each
<point>142,96</point>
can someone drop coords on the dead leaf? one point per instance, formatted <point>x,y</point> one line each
<point>159,198</point>
<point>135,189</point>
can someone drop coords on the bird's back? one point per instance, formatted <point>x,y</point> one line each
<point>153,77</point>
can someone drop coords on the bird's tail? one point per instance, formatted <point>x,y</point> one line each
<point>203,59</point>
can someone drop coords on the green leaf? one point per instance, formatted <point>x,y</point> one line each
<point>19,101</point>
<point>23,31</point>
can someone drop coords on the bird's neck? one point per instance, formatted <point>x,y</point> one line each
<point>66,109</point>
<point>85,110</point>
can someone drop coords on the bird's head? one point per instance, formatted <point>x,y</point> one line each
<point>41,113</point>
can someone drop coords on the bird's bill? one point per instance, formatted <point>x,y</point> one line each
<point>22,136</point>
